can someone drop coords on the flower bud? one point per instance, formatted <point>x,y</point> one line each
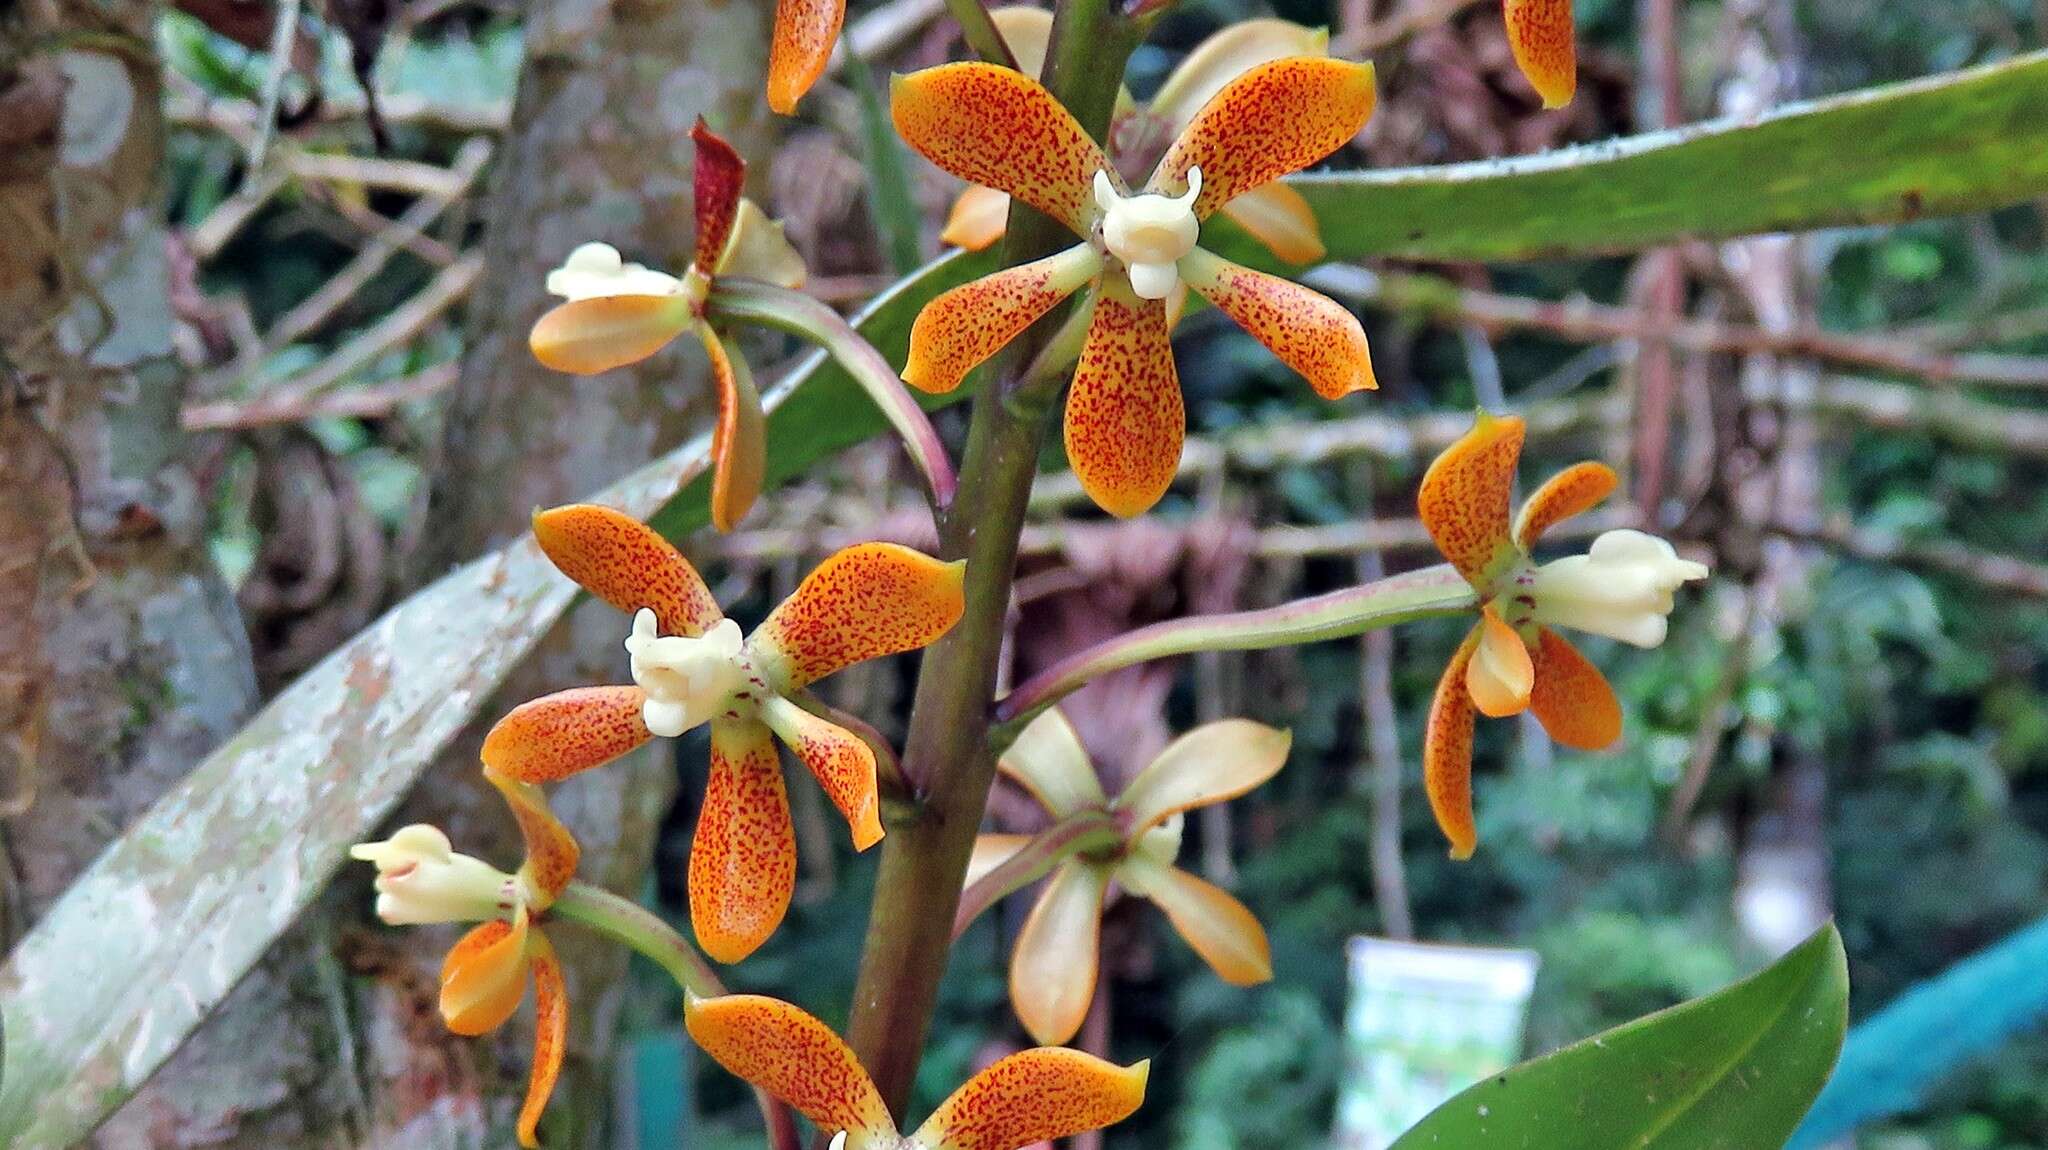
<point>1620,588</point>
<point>420,879</point>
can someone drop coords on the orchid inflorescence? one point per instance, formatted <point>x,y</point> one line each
<point>1252,105</point>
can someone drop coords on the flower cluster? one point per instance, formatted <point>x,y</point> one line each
<point>1252,105</point>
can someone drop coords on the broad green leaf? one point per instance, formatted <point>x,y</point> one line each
<point>1958,142</point>
<point>1732,1071</point>
<point>1896,1057</point>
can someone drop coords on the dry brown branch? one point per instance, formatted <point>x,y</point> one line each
<point>317,308</point>
<point>360,402</point>
<point>403,324</point>
<point>1580,319</point>
<point>1397,28</point>
<point>1935,556</point>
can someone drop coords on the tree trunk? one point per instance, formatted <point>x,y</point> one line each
<point>122,656</point>
<point>598,150</point>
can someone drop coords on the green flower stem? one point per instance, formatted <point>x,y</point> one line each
<point>625,921</point>
<point>1075,834</point>
<point>773,306</point>
<point>888,768</point>
<point>981,32</point>
<point>1428,593</point>
<point>946,754</point>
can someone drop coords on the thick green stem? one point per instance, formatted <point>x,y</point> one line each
<point>946,755</point>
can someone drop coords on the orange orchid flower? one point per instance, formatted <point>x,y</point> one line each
<point>1053,968</point>
<point>1540,33</point>
<point>1514,660</point>
<point>420,879</point>
<point>1274,214</point>
<point>1124,417</point>
<point>1029,1097</point>
<point>691,667</point>
<point>620,313</point>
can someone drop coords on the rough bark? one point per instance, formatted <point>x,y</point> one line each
<point>598,149</point>
<point>122,656</point>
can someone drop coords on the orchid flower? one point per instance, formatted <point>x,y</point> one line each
<point>1029,1097</point>
<point>1124,416</point>
<point>691,666</point>
<point>1274,214</point>
<point>1053,968</point>
<point>618,313</point>
<point>1514,660</point>
<point>1540,33</point>
<point>421,879</point>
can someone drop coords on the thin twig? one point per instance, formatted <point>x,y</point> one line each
<point>342,286</point>
<point>1581,319</point>
<point>359,402</point>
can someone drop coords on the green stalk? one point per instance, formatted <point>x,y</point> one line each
<point>946,755</point>
<point>1073,835</point>
<point>642,930</point>
<point>1432,592</point>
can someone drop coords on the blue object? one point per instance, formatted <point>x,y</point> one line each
<point>1897,1055</point>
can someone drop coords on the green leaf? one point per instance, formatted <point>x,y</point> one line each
<point>1953,143</point>
<point>1732,1071</point>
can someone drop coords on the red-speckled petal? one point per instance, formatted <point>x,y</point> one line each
<point>1447,753</point>
<point>978,219</point>
<point>794,1057</point>
<point>963,327</point>
<point>1053,968</point>
<point>1310,332</point>
<point>718,179</point>
<point>1573,700</point>
<point>1540,32</point>
<point>870,600</point>
<point>1125,422</point>
<point>1464,498</point>
<point>1276,118</point>
<point>550,738</point>
<point>843,763</point>
<point>743,858</point>
<point>484,976</point>
<point>805,31</point>
<point>587,336</point>
<point>1576,489</point>
<point>1034,1096</point>
<point>739,446</point>
<point>1501,675</point>
<point>627,564</point>
<point>551,851</point>
<point>1280,218</point>
<point>550,1037</point>
<point>999,128</point>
